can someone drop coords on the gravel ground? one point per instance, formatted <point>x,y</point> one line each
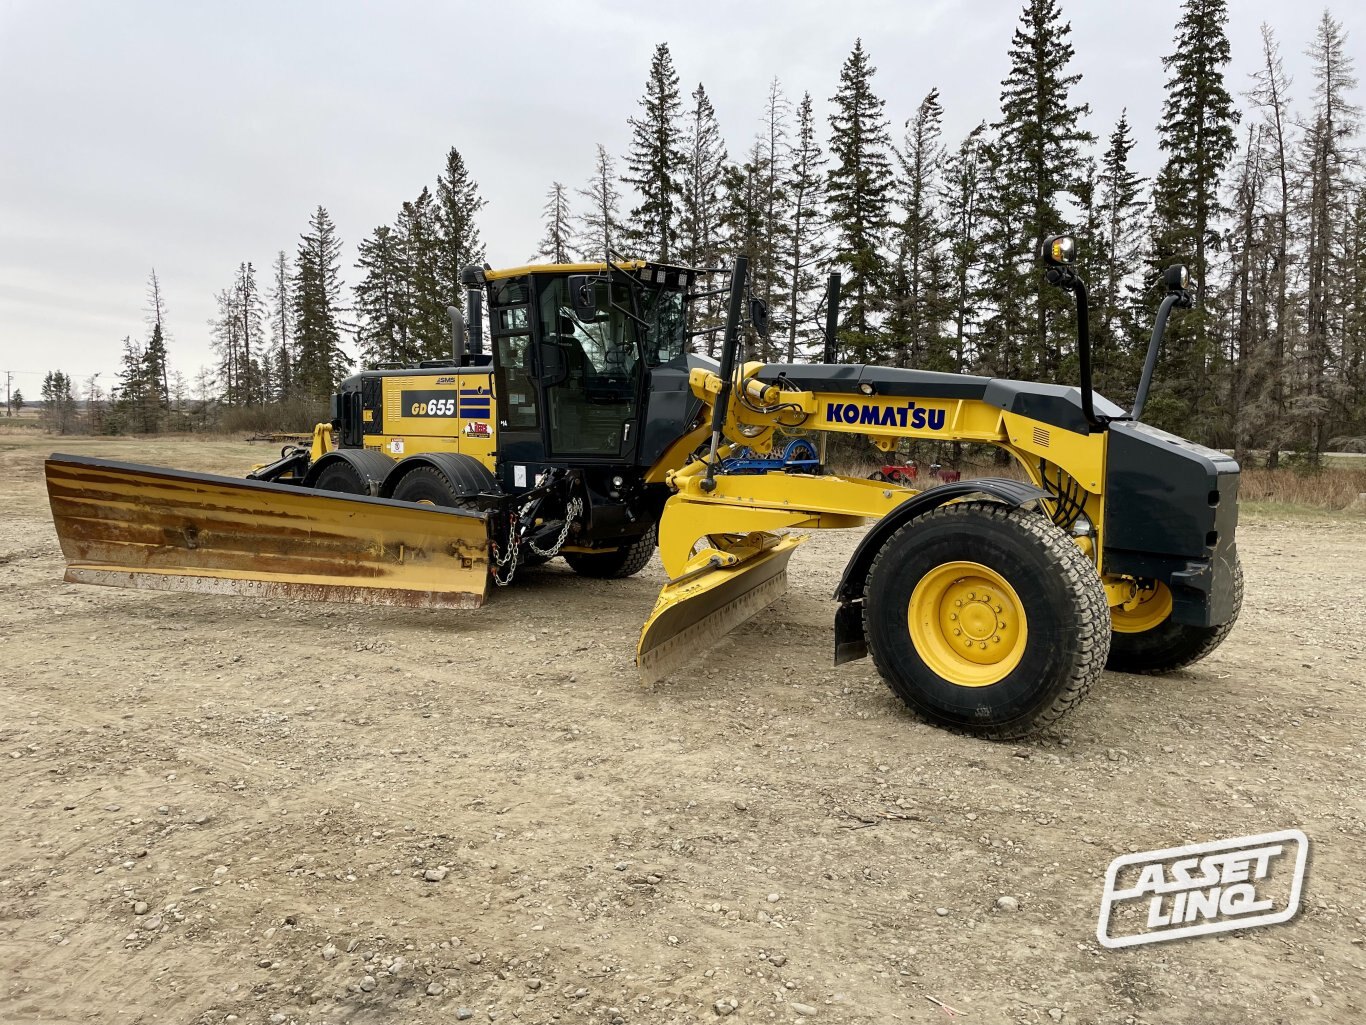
<point>226,810</point>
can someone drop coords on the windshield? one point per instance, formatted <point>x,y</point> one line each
<point>666,314</point>
<point>606,336</point>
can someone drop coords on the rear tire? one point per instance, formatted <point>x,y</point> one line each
<point>1013,587</point>
<point>427,485</point>
<point>626,561</point>
<point>340,476</point>
<point>1170,646</point>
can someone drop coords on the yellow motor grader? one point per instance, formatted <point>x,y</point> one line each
<point>589,431</point>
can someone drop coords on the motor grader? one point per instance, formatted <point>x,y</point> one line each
<point>589,431</point>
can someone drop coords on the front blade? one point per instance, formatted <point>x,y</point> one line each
<point>705,604</point>
<point>146,526</point>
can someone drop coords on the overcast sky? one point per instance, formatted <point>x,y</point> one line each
<point>191,136</point>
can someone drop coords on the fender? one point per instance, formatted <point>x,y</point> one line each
<point>467,474</point>
<point>371,465</point>
<point>850,643</point>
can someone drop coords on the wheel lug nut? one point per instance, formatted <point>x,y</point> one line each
<point>1001,625</point>
<point>958,604</point>
<point>982,645</point>
<point>967,642</point>
<point>998,609</point>
<point>957,632</point>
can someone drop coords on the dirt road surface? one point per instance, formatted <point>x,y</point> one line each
<point>226,810</point>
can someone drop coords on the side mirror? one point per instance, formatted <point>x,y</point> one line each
<point>554,368</point>
<point>583,294</point>
<point>758,316</point>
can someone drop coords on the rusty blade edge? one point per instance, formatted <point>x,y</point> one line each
<point>92,470</point>
<point>346,593</point>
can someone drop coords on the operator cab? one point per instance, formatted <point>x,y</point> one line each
<point>578,350</point>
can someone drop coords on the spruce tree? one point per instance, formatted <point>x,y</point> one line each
<point>916,304</point>
<point>961,195</point>
<point>743,221</point>
<point>557,242</point>
<point>700,208</point>
<point>766,271</point>
<point>656,160</point>
<point>317,309</point>
<point>134,404</point>
<point>457,243</point>
<point>1327,156</point>
<point>226,328</point>
<point>804,244</point>
<point>859,189</point>
<point>250,313</point>
<point>600,228</point>
<point>425,263</point>
<point>1005,278</point>
<point>1270,94</point>
<point>1197,135</point>
<point>381,316</point>
<point>1117,251</point>
<point>1040,147</point>
<point>281,325</point>
<point>59,401</point>
<point>155,353</point>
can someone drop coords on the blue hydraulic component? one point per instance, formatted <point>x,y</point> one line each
<point>799,456</point>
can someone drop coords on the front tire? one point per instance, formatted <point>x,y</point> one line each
<point>626,561</point>
<point>985,618</point>
<point>1151,650</point>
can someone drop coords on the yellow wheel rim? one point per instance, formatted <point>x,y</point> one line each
<point>1147,610</point>
<point>968,624</point>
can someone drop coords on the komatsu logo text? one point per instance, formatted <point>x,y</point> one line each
<point>910,415</point>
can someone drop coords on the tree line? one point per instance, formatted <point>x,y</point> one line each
<point>1259,193</point>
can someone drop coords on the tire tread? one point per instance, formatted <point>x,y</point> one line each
<point>1093,619</point>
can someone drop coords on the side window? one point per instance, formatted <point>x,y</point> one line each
<point>514,386</point>
<point>510,321</point>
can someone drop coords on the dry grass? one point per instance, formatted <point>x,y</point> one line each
<point>1332,488</point>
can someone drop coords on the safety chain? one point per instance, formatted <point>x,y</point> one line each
<point>571,512</point>
<point>509,559</point>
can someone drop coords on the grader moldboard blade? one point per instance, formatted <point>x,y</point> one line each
<point>719,591</point>
<point>144,526</point>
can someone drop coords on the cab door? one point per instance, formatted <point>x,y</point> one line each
<point>590,371</point>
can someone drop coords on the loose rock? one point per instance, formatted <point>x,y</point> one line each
<point>368,984</point>
<point>435,875</point>
<point>1007,903</point>
<point>435,989</point>
<point>806,1009</point>
<point>140,908</point>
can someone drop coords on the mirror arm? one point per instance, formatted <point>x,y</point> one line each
<point>1145,382</point>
